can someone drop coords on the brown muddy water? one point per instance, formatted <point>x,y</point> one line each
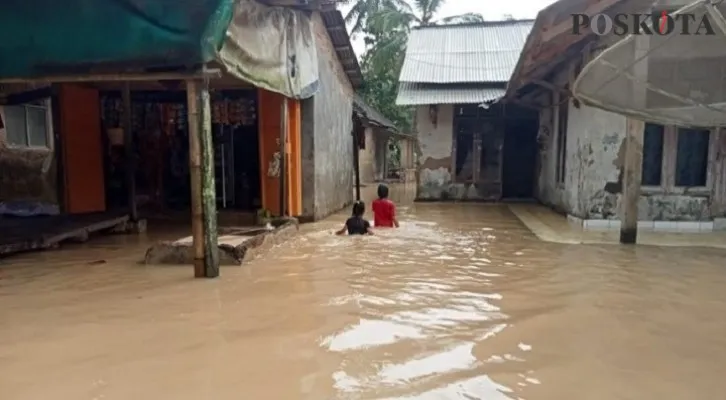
<point>462,302</point>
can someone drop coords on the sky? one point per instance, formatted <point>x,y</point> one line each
<point>492,10</point>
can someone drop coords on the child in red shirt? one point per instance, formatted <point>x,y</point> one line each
<point>384,210</point>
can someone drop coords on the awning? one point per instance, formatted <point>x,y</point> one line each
<point>271,47</point>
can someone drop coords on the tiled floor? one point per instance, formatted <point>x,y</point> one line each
<point>552,227</point>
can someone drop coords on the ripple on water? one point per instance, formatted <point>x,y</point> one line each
<point>371,333</point>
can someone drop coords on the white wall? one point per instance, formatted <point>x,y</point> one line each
<point>592,184</point>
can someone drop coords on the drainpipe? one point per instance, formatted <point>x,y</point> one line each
<point>283,156</point>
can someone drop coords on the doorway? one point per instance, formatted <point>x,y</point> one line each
<point>161,146</point>
<point>478,143</point>
<point>519,154</point>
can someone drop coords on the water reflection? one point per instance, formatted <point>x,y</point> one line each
<point>462,302</point>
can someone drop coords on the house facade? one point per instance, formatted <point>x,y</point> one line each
<point>380,137</point>
<point>471,148</point>
<point>327,124</point>
<point>28,164</point>
<point>581,154</point>
<point>27,156</point>
<point>77,160</point>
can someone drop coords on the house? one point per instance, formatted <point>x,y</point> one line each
<point>374,146</point>
<point>102,126</point>
<point>580,163</point>
<point>472,146</point>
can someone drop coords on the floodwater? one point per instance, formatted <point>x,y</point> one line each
<point>462,302</point>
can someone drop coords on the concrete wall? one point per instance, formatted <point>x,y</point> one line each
<point>593,184</point>
<point>327,125</point>
<point>371,158</point>
<point>434,173</point>
<point>21,171</point>
<point>434,176</point>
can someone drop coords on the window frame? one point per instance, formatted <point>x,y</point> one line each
<point>668,165</point>
<point>46,107</point>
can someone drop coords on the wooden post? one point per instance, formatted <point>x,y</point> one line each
<point>633,163</point>
<point>633,167</point>
<point>283,157</point>
<point>130,153</point>
<point>201,171</point>
<point>358,129</point>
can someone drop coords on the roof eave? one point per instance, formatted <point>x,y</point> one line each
<point>551,41</point>
<point>338,33</point>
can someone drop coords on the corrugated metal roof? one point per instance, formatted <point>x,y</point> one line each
<point>414,94</point>
<point>371,115</point>
<point>481,52</point>
<point>335,25</point>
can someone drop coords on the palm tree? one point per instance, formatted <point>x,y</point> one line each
<point>358,15</point>
<point>422,13</point>
<point>389,27</point>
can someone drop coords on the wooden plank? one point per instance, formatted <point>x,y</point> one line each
<point>55,230</point>
<point>122,77</point>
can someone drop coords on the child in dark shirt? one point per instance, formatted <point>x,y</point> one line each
<point>356,225</point>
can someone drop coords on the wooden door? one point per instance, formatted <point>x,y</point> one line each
<point>82,149</point>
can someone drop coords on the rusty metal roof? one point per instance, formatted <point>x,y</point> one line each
<point>552,42</point>
<point>414,94</point>
<point>335,25</point>
<point>477,52</point>
<point>372,116</point>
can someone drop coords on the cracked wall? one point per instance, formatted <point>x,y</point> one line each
<point>435,141</point>
<point>371,158</point>
<point>592,186</point>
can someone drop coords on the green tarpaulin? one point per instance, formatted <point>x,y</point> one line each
<point>53,37</point>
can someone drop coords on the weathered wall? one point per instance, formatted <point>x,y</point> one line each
<point>307,148</point>
<point>369,171</point>
<point>435,181</point>
<point>593,186</point>
<point>330,174</point>
<point>434,176</point>
<point>22,174</point>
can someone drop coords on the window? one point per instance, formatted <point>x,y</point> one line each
<point>562,113</point>
<point>653,155</point>
<point>675,158</point>
<point>692,157</point>
<point>26,125</point>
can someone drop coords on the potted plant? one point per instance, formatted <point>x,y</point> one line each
<point>264,217</point>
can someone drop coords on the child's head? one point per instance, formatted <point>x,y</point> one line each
<point>382,191</point>
<point>359,208</point>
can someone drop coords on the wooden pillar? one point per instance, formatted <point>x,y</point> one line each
<point>633,168</point>
<point>284,153</point>
<point>130,153</point>
<point>633,163</point>
<point>201,171</point>
<point>358,129</point>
